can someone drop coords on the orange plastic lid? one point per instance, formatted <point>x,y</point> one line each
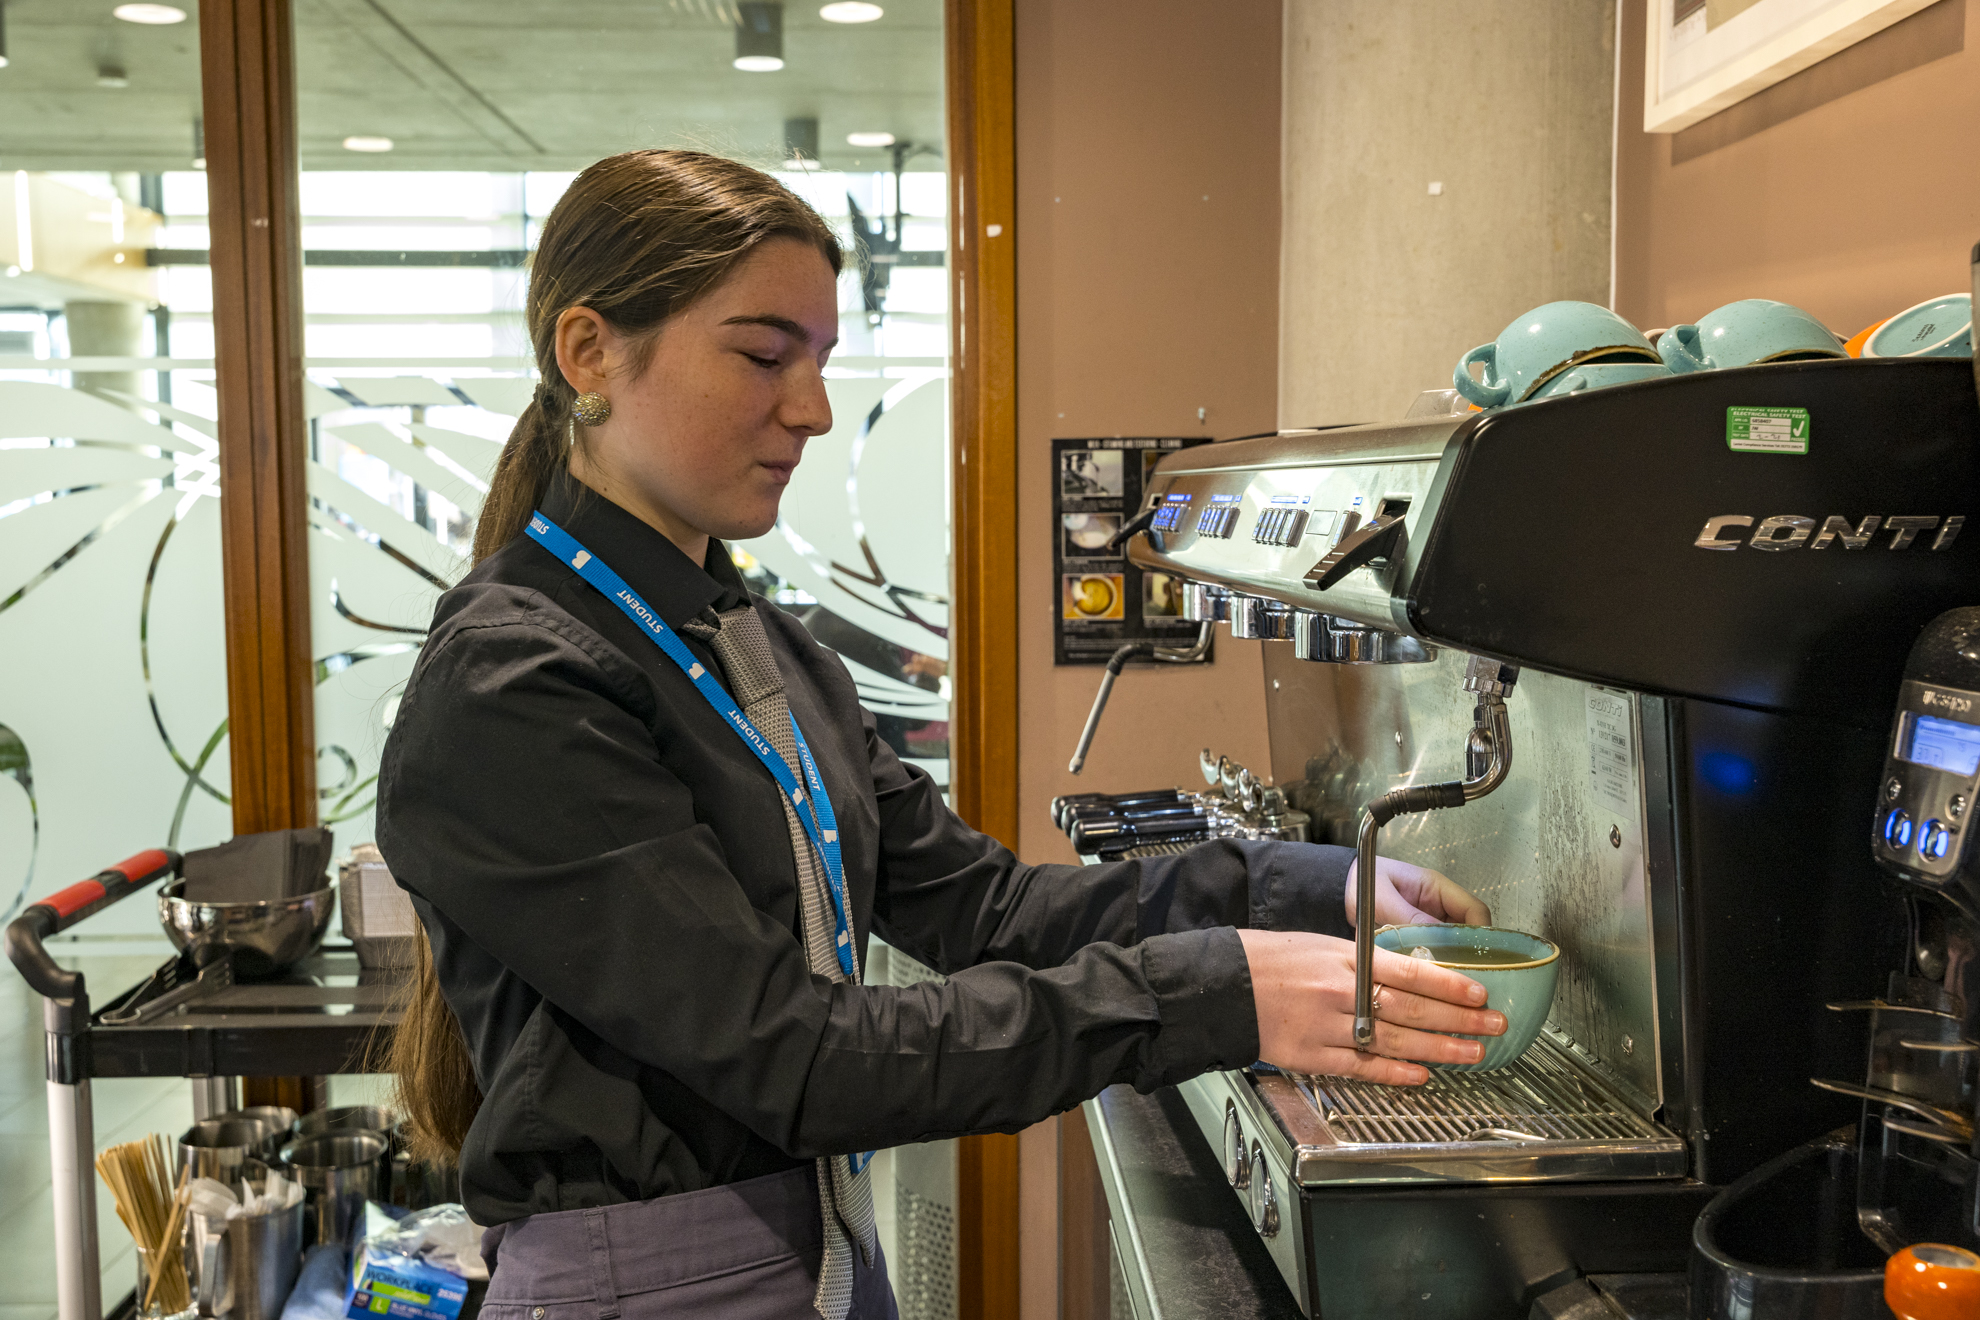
<point>1933,1282</point>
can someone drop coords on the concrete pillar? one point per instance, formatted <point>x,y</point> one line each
<point>105,329</point>
<point>1446,167</point>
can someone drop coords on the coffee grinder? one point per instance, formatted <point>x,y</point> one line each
<point>1919,1178</point>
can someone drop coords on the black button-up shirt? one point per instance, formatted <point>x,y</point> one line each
<point>605,873</point>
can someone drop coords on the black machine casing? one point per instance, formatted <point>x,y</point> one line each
<point>1760,604</point>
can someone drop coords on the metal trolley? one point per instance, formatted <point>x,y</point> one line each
<point>190,1019</point>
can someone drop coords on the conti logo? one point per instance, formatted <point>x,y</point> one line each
<point>1791,531</point>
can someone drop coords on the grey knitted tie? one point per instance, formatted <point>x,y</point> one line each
<point>742,648</point>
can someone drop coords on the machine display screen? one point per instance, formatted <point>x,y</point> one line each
<point>1942,744</point>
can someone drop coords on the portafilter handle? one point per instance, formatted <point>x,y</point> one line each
<point>1488,762</point>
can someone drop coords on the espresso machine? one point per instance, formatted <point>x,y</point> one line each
<point>1628,678</point>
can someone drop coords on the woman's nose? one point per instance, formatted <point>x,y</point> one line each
<point>806,406</point>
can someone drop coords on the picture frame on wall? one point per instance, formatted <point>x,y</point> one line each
<point>1701,56</point>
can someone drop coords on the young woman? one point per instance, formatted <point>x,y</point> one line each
<point>648,829</point>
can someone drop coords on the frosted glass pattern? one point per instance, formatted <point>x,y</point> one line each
<point>113,694</point>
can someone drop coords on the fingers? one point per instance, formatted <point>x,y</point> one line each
<point>1369,1068</point>
<point>1429,1046</point>
<point>1403,1009</point>
<point>1458,904</point>
<point>1423,977</point>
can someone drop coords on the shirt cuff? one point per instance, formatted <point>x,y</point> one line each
<point>1303,887</point>
<point>1201,981</point>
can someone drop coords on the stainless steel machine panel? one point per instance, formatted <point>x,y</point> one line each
<point>1339,481</point>
<point>1557,850</point>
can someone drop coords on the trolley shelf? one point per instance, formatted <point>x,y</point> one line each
<point>325,1015</point>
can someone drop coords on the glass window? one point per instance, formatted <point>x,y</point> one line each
<point>435,138</point>
<point>433,145</point>
<point>113,696</point>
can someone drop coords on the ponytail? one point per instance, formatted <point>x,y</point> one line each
<point>636,238</point>
<point>437,1093</point>
<point>537,450</point>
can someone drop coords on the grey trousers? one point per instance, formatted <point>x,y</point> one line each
<point>745,1251</point>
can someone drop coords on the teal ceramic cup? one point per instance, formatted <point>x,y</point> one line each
<point>1745,334</point>
<point>1542,344</point>
<point>1523,991</point>
<point>1596,376</point>
<point>1937,327</point>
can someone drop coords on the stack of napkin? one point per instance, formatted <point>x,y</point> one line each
<point>259,868</point>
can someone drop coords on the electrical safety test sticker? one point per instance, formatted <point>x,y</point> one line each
<point>1767,430</point>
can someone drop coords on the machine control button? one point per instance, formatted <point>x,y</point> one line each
<point>1264,1205</point>
<point>1169,518</point>
<point>1279,525</point>
<point>1237,1158</point>
<point>1219,520</point>
<point>1897,829</point>
<point>1895,787</point>
<point>1957,806</point>
<point>1934,840</point>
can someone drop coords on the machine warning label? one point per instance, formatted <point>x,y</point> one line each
<point>1611,752</point>
<point>1767,430</point>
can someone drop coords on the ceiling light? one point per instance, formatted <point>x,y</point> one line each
<point>760,36</point>
<point>869,139</point>
<point>153,15</point>
<point>372,144</point>
<point>850,11</point>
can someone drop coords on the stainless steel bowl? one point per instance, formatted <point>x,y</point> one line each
<point>339,1172</point>
<point>225,1149</point>
<point>278,1124</point>
<point>263,938</point>
<point>349,1118</point>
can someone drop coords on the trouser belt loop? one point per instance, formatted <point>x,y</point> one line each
<point>601,1265</point>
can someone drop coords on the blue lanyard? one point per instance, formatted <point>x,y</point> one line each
<point>825,837</point>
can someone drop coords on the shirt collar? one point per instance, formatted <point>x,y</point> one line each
<point>652,565</point>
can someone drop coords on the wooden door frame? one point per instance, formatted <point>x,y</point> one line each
<point>248,82</point>
<point>983,653</point>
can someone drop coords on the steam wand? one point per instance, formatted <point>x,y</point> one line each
<point>1175,655</point>
<point>1487,761</point>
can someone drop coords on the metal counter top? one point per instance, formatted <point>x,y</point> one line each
<point>1181,1238</point>
<point>1186,1249</point>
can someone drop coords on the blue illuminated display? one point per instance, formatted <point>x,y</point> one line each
<point>1727,771</point>
<point>1941,744</point>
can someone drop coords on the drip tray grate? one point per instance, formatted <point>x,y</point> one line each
<point>1546,1117</point>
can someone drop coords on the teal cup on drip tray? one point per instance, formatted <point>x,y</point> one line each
<point>1517,970</point>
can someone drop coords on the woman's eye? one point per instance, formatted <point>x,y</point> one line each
<point>761,361</point>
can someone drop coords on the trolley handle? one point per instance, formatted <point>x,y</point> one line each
<point>66,907</point>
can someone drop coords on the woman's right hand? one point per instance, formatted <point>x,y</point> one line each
<point>1303,985</point>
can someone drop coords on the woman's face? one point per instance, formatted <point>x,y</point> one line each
<point>703,441</point>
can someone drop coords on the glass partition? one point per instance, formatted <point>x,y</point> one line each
<point>113,699</point>
<point>113,681</point>
<point>435,137</point>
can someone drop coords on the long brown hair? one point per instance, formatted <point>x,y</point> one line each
<point>636,238</point>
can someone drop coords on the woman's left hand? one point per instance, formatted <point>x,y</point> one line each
<point>1408,895</point>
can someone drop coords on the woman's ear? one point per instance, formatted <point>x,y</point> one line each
<point>585,345</point>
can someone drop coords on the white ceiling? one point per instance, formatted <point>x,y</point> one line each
<point>478,84</point>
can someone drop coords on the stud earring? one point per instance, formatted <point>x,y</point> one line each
<point>591,409</point>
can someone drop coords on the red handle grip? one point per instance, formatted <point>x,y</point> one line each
<point>65,907</point>
<point>86,897</point>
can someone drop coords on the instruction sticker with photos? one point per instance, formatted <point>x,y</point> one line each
<point>1104,601</point>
